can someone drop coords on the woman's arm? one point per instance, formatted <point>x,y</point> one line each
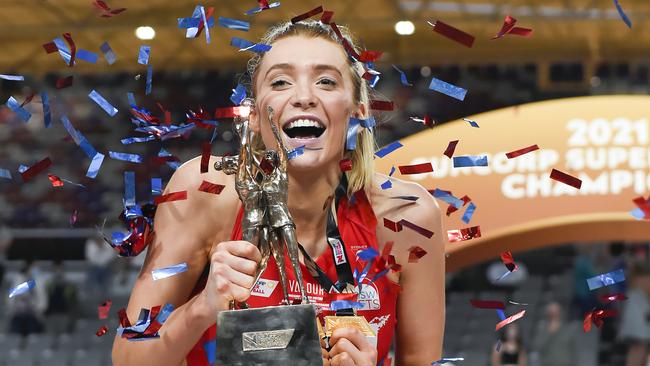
<point>523,357</point>
<point>184,231</point>
<point>495,360</point>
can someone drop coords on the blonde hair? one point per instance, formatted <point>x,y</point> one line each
<point>362,157</point>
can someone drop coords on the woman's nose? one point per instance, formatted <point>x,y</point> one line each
<point>303,97</point>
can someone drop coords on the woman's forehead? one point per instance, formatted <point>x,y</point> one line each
<point>301,51</point>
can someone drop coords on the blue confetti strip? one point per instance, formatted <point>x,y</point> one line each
<point>501,314</point>
<point>469,211</point>
<point>365,123</point>
<point>189,23</point>
<point>131,98</point>
<point>147,89</point>
<point>345,304</point>
<point>13,104</point>
<point>133,158</point>
<point>6,174</point>
<point>64,51</point>
<point>392,171</point>
<point>95,165</point>
<point>22,168</point>
<point>132,140</point>
<point>47,115</point>
<point>78,138</point>
<point>12,77</point>
<point>207,29</point>
<point>160,273</point>
<point>469,161</point>
<point>245,45</point>
<point>238,94</point>
<point>234,24</point>
<point>402,77</point>
<point>471,122</point>
<point>156,186</point>
<point>296,152</point>
<point>606,279</point>
<point>447,359</point>
<point>102,102</point>
<point>448,198</point>
<point>143,55</point>
<point>447,89</point>
<point>109,54</point>
<point>638,214</point>
<point>386,185</point>
<point>172,164</point>
<point>367,254</point>
<point>624,16</point>
<point>129,189</point>
<point>259,8</point>
<point>87,56</point>
<point>210,349</point>
<point>353,129</point>
<point>22,288</point>
<point>388,149</point>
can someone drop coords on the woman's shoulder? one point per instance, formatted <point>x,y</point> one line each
<point>401,197</point>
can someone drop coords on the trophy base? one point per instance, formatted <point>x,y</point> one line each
<point>274,336</point>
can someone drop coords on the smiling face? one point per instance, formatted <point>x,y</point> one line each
<point>308,83</point>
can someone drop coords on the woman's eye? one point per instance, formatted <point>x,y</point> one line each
<point>278,83</point>
<point>327,82</point>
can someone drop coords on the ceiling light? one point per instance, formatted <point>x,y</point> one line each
<point>145,33</point>
<point>404,27</point>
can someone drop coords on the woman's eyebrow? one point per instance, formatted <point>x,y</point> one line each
<point>318,67</point>
<point>283,66</point>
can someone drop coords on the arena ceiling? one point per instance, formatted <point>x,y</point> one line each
<point>563,30</point>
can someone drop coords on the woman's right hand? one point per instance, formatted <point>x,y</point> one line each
<point>232,270</point>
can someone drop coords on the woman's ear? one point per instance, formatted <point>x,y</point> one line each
<point>254,119</point>
<point>361,112</point>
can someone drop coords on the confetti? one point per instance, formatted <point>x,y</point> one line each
<point>132,158</point>
<point>103,309</point>
<point>12,77</point>
<point>156,186</point>
<point>307,15</point>
<point>35,169</point>
<point>21,288</point>
<point>447,197</point>
<point>109,55</point>
<point>606,279</point>
<point>427,121</point>
<point>596,317</point>
<point>129,189</point>
<point>106,11</point>
<point>406,198</point>
<point>612,298</point>
<point>12,103</point>
<point>451,147</point>
<point>72,50</point>
<point>143,55</point>
<point>469,212</point>
<point>415,253</point>
<point>447,89</point>
<point>73,218</point>
<point>471,122</point>
<point>5,173</point>
<point>205,156</point>
<point>509,28</point>
<point>367,254</point>
<point>245,45</point>
<point>90,57</point>
<point>326,18</point>
<point>509,320</point>
<point>392,225</point>
<point>447,359</point>
<point>170,197</point>
<point>103,103</point>
<point>147,88</point>
<point>469,161</point>
<point>345,304</point>
<point>402,77</point>
<point>508,261</point>
<point>101,331</point>
<point>415,169</point>
<point>47,115</point>
<point>264,5</point>
<point>388,149</point>
<point>525,150</point>
<point>622,14</point>
<point>345,165</point>
<point>64,82</point>
<point>56,181</point>
<point>95,165</point>
<point>642,205</point>
<point>296,152</point>
<point>353,130</point>
<point>452,33</point>
<point>464,234</point>
<point>370,56</point>
<point>420,230</point>
<point>160,273</point>
<point>149,322</point>
<point>238,94</point>
<point>487,304</point>
<point>234,24</point>
<point>213,188</point>
<point>382,105</point>
<point>566,178</point>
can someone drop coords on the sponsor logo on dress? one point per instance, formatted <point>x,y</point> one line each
<point>264,287</point>
<point>369,297</point>
<point>337,248</point>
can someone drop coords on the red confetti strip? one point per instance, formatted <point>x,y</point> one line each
<point>451,208</point>
<point>345,165</point>
<point>106,11</point>
<point>56,181</point>
<point>35,169</point>
<point>164,159</point>
<point>509,261</point>
<point>382,105</point>
<point>124,319</point>
<point>50,47</point>
<point>415,253</point>
<point>103,330</point>
<point>73,47</point>
<point>464,234</point>
<point>28,99</point>
<point>213,188</point>
<point>415,169</point>
<point>392,225</point>
<point>348,48</point>
<point>326,18</point>
<point>597,317</point>
<point>420,230</point>
<point>488,304</point>
<point>104,308</point>
<point>370,56</point>
<point>525,150</point>
<point>454,34</point>
<point>205,156</point>
<point>170,197</point>
<point>232,112</point>
<point>64,82</point>
<point>168,114</point>
<point>586,323</point>
<point>566,178</point>
<point>306,15</point>
<point>449,151</point>
<point>509,28</point>
<point>612,297</point>
<point>643,204</point>
<point>509,320</point>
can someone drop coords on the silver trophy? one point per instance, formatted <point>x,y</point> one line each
<point>278,334</point>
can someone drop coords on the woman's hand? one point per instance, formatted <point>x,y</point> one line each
<point>350,347</point>
<point>325,353</point>
<point>232,270</point>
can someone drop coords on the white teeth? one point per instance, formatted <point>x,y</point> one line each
<point>304,123</point>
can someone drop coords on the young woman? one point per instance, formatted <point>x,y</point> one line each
<point>314,88</point>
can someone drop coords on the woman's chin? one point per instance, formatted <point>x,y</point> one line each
<point>309,162</point>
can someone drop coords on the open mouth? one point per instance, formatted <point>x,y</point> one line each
<point>304,129</point>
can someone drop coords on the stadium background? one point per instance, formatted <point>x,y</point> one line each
<point>578,48</point>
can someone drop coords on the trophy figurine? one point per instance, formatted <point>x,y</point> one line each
<point>271,335</point>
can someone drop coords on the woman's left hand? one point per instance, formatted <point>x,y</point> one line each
<point>350,347</point>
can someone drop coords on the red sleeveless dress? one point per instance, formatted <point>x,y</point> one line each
<point>357,225</point>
